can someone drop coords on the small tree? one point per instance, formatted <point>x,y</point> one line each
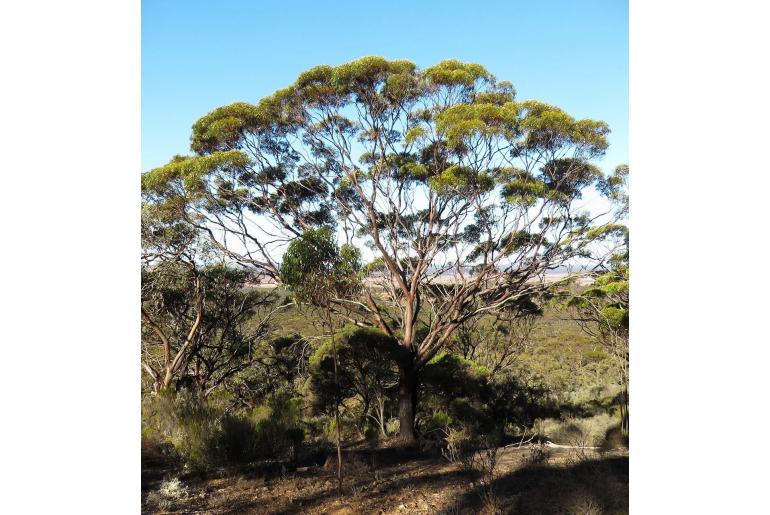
<point>197,316</point>
<point>198,324</point>
<point>172,310</point>
<point>367,371</point>
<point>278,365</point>
<point>317,272</point>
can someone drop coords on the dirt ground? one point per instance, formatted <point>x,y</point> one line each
<point>394,481</point>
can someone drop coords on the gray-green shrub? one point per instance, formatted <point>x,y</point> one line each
<point>204,436</point>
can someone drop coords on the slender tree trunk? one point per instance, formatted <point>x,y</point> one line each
<point>624,412</point>
<point>624,402</point>
<point>381,414</point>
<point>336,402</point>
<point>364,416</point>
<point>407,401</point>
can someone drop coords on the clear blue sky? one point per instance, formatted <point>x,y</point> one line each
<point>197,55</point>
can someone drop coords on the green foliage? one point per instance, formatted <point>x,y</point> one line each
<point>188,423</point>
<point>463,121</point>
<point>606,302</point>
<point>458,392</point>
<point>315,269</point>
<point>568,177</point>
<point>224,127</point>
<point>272,430</point>
<point>443,370</point>
<point>524,190</point>
<point>191,171</point>
<point>366,359</point>
<point>385,89</point>
<point>224,337</point>
<point>457,179</point>
<point>613,187</point>
<point>414,134</point>
<point>547,127</point>
<point>455,73</point>
<point>204,435</point>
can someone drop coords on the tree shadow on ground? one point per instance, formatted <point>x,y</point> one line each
<point>402,474</point>
<point>593,487</point>
<point>368,493</point>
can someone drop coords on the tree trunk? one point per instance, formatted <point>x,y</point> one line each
<point>624,400</point>
<point>381,414</point>
<point>624,411</point>
<point>336,401</point>
<point>407,402</point>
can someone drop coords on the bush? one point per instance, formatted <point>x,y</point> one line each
<point>188,423</point>
<point>539,454</point>
<point>278,427</point>
<point>589,401</point>
<point>205,437</point>
<point>170,492</point>
<point>581,432</point>
<point>614,439</point>
<point>366,372</point>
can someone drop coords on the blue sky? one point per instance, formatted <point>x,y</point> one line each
<point>198,55</point>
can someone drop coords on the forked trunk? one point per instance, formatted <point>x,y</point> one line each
<point>407,402</point>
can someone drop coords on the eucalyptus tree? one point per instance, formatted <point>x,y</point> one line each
<point>463,195</point>
<point>200,324</point>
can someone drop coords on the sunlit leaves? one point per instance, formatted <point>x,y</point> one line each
<point>461,180</point>
<point>191,171</point>
<point>414,134</point>
<point>455,73</point>
<point>524,190</point>
<point>548,127</point>
<point>462,121</point>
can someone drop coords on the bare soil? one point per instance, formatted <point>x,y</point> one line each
<point>398,481</point>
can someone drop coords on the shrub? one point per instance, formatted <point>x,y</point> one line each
<point>614,439</point>
<point>456,443</point>
<point>539,454</point>
<point>205,437</point>
<point>459,393</point>
<point>170,491</point>
<point>581,432</point>
<point>271,430</point>
<point>188,423</point>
